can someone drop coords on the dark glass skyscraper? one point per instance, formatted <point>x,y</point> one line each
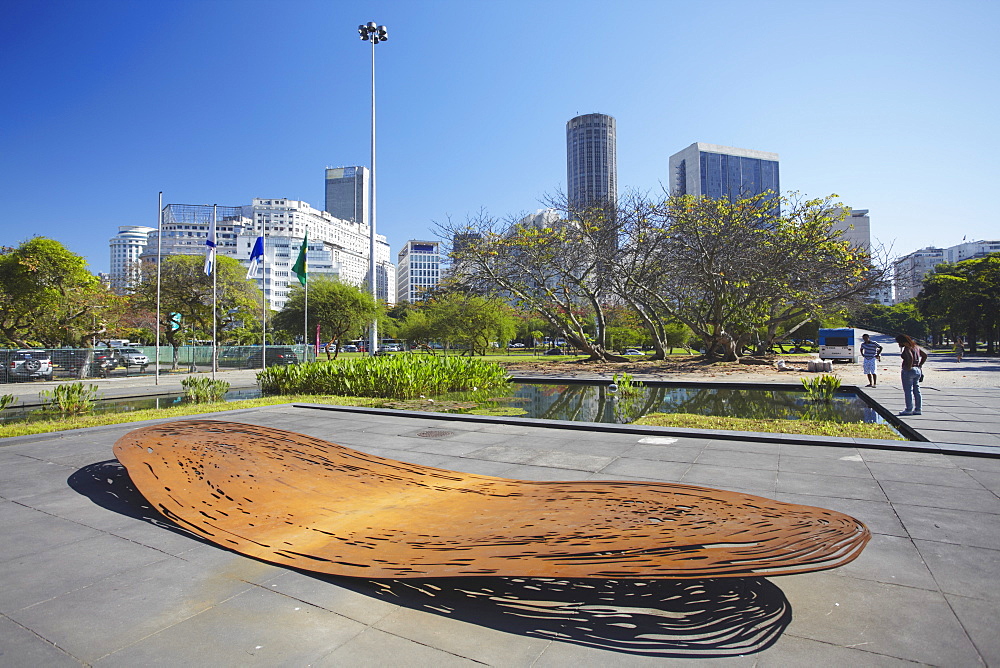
<point>723,171</point>
<point>347,193</point>
<point>591,161</point>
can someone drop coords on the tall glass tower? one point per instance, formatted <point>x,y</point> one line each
<point>347,193</point>
<point>723,171</point>
<point>591,161</point>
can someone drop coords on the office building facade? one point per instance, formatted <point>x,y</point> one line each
<point>418,270</point>
<point>126,248</point>
<point>348,193</point>
<point>717,171</point>
<point>591,161</point>
<point>336,247</point>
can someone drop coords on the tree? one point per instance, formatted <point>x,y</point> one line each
<point>728,268</point>
<point>470,321</point>
<point>965,296</point>
<point>342,311</point>
<point>48,297</point>
<point>555,268</point>
<point>187,291</point>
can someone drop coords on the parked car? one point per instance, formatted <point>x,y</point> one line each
<point>517,345</point>
<point>104,362</point>
<point>131,357</point>
<point>349,348</point>
<point>553,351</point>
<point>276,355</point>
<point>27,365</point>
<point>633,351</point>
<point>392,348</point>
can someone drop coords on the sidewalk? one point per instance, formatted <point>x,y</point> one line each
<point>90,575</point>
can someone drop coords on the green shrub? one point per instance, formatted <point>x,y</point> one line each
<point>69,398</point>
<point>6,400</point>
<point>398,376</point>
<point>822,388</point>
<point>204,390</point>
<point>627,387</point>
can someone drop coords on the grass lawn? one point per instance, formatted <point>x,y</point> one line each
<point>62,423</point>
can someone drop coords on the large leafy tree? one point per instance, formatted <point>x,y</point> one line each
<point>727,269</point>
<point>342,311</point>
<point>48,297</point>
<point>555,268</point>
<point>965,298</point>
<point>186,290</point>
<point>469,321</point>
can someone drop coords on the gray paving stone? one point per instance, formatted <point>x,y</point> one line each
<point>975,463</point>
<point>962,569</point>
<point>988,479</point>
<point>133,605</point>
<point>732,458</point>
<point>892,620</point>
<point>821,485</point>
<point>909,458</point>
<point>932,475</point>
<point>505,453</point>
<point>892,560</point>
<point>471,641</point>
<point>939,496</point>
<point>664,453</point>
<point>743,446</point>
<point>824,466</point>
<point>352,598</point>
<point>730,478</point>
<point>979,618</point>
<point>819,451</point>
<point>962,527</point>
<point>69,567</point>
<point>41,535</point>
<point>878,516</point>
<point>571,460</point>
<point>793,651</point>
<point>20,646</point>
<point>477,466</point>
<point>531,472</point>
<point>647,469</point>
<point>12,514</point>
<point>258,626</point>
<point>377,648</point>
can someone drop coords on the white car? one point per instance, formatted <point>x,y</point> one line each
<point>27,364</point>
<point>633,351</point>
<point>132,357</point>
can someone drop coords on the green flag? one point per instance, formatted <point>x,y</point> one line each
<point>299,267</point>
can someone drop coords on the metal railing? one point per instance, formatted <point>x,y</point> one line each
<point>72,363</point>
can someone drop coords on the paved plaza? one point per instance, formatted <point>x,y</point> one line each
<point>92,575</point>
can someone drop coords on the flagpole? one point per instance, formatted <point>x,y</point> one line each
<point>263,266</point>
<point>305,319</point>
<point>159,248</point>
<point>215,292</point>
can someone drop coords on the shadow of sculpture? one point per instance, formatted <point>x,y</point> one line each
<point>656,617</point>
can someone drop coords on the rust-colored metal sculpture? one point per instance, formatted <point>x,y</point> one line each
<point>307,503</point>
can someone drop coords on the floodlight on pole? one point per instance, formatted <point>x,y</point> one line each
<point>370,32</point>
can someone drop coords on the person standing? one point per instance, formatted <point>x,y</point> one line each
<point>913,358</point>
<point>871,354</point>
<point>959,348</point>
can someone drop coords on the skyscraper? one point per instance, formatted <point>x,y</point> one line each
<point>126,247</point>
<point>418,270</point>
<point>723,171</point>
<point>348,192</point>
<point>591,161</point>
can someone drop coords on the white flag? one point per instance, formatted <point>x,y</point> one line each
<point>210,242</point>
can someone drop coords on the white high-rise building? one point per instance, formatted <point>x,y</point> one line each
<point>419,269</point>
<point>126,248</point>
<point>337,247</point>
<point>908,271</point>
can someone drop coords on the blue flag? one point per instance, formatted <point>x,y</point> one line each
<point>256,255</point>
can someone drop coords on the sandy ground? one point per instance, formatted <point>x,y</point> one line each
<point>941,370</point>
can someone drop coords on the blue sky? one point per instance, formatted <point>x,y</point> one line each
<point>891,105</point>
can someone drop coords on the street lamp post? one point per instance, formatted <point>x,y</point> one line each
<point>370,32</point>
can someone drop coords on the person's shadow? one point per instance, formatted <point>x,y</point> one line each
<point>663,618</point>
